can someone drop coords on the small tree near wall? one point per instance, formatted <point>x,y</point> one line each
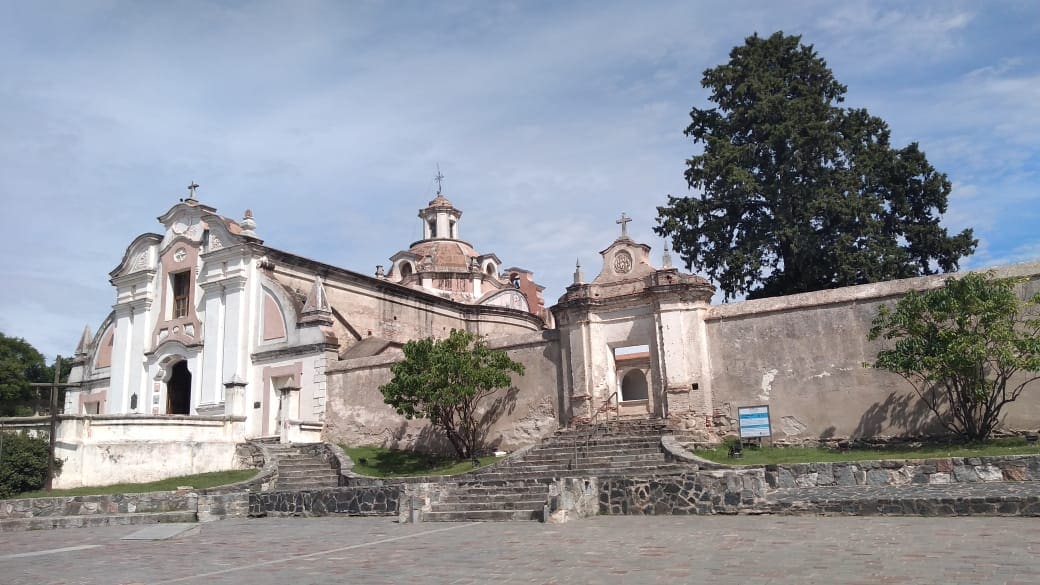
<point>445,380</point>
<point>968,349</point>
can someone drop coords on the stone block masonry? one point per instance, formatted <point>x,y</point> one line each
<point>350,501</point>
<point>170,501</point>
<point>891,472</point>
<point>705,492</point>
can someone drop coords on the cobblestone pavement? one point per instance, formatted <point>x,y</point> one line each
<point>745,550</point>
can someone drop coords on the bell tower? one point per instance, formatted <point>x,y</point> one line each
<point>440,218</point>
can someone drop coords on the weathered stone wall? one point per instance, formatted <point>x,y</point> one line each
<point>804,355</point>
<point>520,415</point>
<point>150,502</point>
<point>351,501</point>
<point>701,492</point>
<point>939,471</point>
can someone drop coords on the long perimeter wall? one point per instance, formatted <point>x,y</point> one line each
<point>805,356</point>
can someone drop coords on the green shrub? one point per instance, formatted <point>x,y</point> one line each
<point>23,463</point>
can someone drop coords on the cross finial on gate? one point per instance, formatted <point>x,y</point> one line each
<point>623,222</point>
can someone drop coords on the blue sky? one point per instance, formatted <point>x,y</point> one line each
<point>548,119</point>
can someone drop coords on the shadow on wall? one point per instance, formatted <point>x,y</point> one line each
<point>899,414</point>
<point>434,441</point>
<point>503,404</point>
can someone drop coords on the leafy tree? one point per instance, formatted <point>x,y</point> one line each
<point>445,380</point>
<point>23,463</point>
<point>798,193</point>
<point>968,349</point>
<point>20,364</point>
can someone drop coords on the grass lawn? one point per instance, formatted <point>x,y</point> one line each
<point>382,462</point>
<point>200,481</point>
<point>767,455</point>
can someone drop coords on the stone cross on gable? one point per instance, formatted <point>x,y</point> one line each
<point>623,222</point>
<point>191,189</point>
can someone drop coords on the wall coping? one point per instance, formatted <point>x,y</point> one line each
<point>862,292</point>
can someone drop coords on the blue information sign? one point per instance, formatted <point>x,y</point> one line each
<point>753,421</point>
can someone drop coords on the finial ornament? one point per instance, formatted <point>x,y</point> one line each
<point>667,259</point>
<point>623,222</point>
<point>439,178</point>
<point>191,190</point>
<point>579,276</point>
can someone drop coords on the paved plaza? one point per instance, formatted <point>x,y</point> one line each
<point>745,550</point>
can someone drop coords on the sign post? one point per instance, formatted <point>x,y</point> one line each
<point>754,422</point>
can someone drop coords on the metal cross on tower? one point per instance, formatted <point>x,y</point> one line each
<point>623,222</point>
<point>439,178</point>
<point>191,189</point>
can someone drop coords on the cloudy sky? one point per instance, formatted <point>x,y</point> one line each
<point>548,119</point>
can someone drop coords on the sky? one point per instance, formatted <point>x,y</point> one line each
<point>548,120</point>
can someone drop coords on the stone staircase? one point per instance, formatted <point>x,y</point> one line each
<point>300,471</point>
<point>518,488</point>
<point>488,501</point>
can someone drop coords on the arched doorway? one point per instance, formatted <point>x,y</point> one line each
<point>633,386</point>
<point>178,389</point>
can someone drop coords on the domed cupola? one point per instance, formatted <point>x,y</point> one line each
<point>440,219</point>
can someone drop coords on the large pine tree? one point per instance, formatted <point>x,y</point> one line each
<point>798,193</point>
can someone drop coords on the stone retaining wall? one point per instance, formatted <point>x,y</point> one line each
<point>175,501</point>
<point>702,492</point>
<point>902,472</point>
<point>352,501</point>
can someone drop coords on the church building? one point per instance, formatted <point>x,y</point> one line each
<point>216,338</point>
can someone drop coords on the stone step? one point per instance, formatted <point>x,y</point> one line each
<point>306,467</point>
<point>637,471</point>
<point>475,506</point>
<point>564,450</point>
<point>481,481</point>
<point>580,467</point>
<point>570,460</point>
<point>483,516</point>
<point>308,479</point>
<point>91,520</point>
<point>604,440</point>
<point>496,493</point>
<point>497,499</point>
<point>305,486</point>
<point>591,452</point>
<point>301,460</point>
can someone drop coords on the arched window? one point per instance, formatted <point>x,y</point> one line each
<point>633,386</point>
<point>406,270</point>
<point>433,228</point>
